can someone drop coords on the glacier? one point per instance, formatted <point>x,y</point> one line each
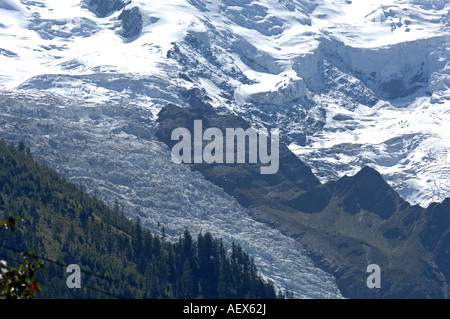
<point>348,83</point>
<point>110,151</point>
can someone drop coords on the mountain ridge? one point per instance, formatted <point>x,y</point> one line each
<point>348,83</point>
<point>344,224</point>
<point>62,225</point>
<point>329,74</point>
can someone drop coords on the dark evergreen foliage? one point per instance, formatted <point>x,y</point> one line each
<point>118,258</point>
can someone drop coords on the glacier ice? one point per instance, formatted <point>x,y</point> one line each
<point>349,83</point>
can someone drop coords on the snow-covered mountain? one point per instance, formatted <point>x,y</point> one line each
<point>348,83</point>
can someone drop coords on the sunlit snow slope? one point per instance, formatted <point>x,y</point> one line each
<point>348,83</point>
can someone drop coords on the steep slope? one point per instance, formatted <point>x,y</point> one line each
<point>248,188</point>
<point>348,83</point>
<point>111,150</point>
<point>345,225</point>
<point>435,235</point>
<point>383,229</point>
<point>63,226</point>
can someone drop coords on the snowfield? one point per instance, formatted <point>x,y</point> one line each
<point>348,83</point>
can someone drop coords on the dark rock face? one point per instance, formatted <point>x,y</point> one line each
<point>403,86</point>
<point>130,17</point>
<point>314,200</point>
<point>436,235</point>
<point>369,191</point>
<point>244,181</point>
<point>104,8</point>
<point>131,22</point>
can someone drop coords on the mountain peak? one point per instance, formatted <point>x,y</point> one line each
<point>368,171</point>
<point>369,191</point>
<point>104,8</point>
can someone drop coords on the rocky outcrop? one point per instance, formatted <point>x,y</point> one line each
<point>104,8</point>
<point>344,225</point>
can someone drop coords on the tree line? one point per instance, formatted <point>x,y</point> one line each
<point>63,225</point>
